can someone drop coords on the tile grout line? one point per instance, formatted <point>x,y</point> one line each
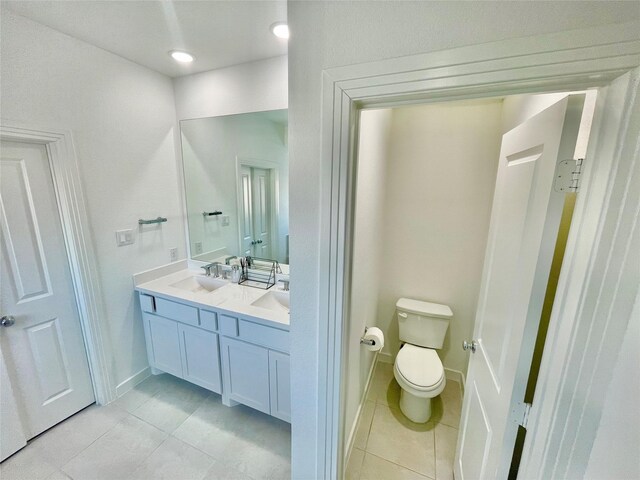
<point>61,467</point>
<point>401,466</point>
<point>397,408</point>
<point>127,413</point>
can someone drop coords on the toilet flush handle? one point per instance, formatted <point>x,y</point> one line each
<point>470,346</point>
<point>402,315</point>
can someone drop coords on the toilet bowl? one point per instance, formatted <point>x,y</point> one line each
<point>420,374</point>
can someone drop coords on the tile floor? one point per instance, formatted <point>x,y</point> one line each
<point>165,428</point>
<point>387,446</point>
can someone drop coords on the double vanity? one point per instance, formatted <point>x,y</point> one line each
<point>230,339</point>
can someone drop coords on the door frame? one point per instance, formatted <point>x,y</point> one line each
<point>274,185</point>
<point>79,246</point>
<point>564,61</point>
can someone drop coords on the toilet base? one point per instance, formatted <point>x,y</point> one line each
<point>416,409</point>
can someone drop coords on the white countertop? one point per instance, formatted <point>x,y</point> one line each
<point>232,298</point>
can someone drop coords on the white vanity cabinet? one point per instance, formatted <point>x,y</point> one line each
<point>200,357</point>
<point>175,346</point>
<point>280,385</point>
<point>245,361</point>
<point>255,367</point>
<point>163,344</point>
<point>245,370</point>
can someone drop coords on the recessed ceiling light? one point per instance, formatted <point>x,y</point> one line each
<point>182,57</point>
<point>280,29</point>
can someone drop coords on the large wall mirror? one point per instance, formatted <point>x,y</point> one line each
<point>236,176</point>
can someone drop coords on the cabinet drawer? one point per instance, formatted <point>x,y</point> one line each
<point>228,325</point>
<point>177,311</point>
<point>209,320</point>
<point>147,303</point>
<point>262,335</point>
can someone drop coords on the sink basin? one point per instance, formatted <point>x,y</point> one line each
<point>275,301</point>
<point>200,284</point>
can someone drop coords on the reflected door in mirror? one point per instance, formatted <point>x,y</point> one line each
<point>257,211</point>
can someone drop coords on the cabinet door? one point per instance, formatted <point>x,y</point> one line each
<point>164,344</point>
<point>246,373</point>
<point>200,358</point>
<point>280,385</point>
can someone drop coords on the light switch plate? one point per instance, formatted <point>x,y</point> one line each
<point>197,248</point>
<point>225,220</point>
<point>124,237</point>
<point>173,254</point>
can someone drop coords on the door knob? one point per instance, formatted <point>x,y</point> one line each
<point>470,346</point>
<point>7,320</point>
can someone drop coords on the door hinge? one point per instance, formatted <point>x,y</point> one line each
<point>567,177</point>
<point>521,416</point>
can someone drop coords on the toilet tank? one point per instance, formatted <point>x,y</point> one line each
<point>422,323</point>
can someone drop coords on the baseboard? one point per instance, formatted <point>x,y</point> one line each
<point>385,357</point>
<point>356,421</point>
<point>456,376</point>
<point>132,381</point>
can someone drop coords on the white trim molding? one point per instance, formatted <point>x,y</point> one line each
<point>79,245</point>
<point>358,417</point>
<point>132,381</point>
<point>556,62</point>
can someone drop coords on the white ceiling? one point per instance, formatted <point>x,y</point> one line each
<point>217,33</point>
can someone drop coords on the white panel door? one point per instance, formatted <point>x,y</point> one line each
<point>260,180</point>
<point>44,349</point>
<point>256,203</point>
<point>12,434</point>
<point>522,234</point>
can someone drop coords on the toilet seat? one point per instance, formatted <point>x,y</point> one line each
<point>419,370</point>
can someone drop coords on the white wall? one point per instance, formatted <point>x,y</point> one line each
<point>441,174</point>
<point>620,423</point>
<point>122,118</point>
<point>330,34</point>
<point>367,253</point>
<point>248,87</point>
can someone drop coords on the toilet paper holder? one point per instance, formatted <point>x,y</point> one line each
<point>366,341</point>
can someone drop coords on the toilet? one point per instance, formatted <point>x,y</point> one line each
<point>418,368</point>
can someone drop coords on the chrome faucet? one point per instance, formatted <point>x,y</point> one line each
<point>216,269</point>
<point>226,260</point>
<point>285,285</point>
<point>207,269</point>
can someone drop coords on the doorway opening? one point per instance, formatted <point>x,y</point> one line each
<point>258,208</point>
<point>424,188</point>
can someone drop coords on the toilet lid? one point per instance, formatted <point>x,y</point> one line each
<point>419,366</point>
